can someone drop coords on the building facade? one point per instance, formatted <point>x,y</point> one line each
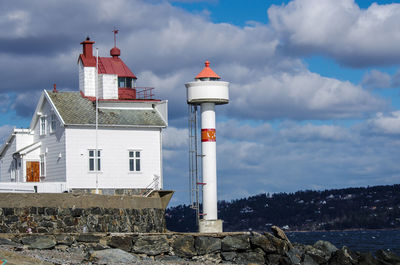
<point>107,135</point>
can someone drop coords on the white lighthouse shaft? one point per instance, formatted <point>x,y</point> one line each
<point>209,161</point>
<point>207,90</point>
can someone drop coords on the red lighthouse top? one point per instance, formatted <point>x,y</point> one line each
<point>207,72</point>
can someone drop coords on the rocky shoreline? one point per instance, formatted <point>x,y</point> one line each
<point>179,248</point>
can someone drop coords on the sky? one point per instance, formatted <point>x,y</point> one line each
<point>314,84</point>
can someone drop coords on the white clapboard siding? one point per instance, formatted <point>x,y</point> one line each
<point>6,161</point>
<point>87,80</point>
<point>114,144</point>
<point>108,86</point>
<point>53,146</point>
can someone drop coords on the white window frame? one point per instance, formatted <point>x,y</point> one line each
<point>53,123</point>
<point>42,125</point>
<point>93,158</point>
<point>135,160</point>
<point>42,167</point>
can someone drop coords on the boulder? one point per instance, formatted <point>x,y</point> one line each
<point>281,246</point>
<point>113,256</point>
<point>235,242</point>
<point>273,259</point>
<point>317,255</point>
<point>151,245</point>
<point>294,255</point>
<point>251,257</point>
<point>88,238</point>
<point>183,246</point>
<point>367,259</point>
<point>264,242</point>
<point>280,234</point>
<point>6,241</point>
<point>207,244</point>
<point>309,261</point>
<point>326,247</point>
<point>121,242</point>
<point>343,257</point>
<point>228,256</point>
<point>306,250</point>
<point>63,239</point>
<point>39,241</point>
<point>387,256</point>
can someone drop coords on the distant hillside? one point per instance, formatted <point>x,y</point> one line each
<point>352,208</point>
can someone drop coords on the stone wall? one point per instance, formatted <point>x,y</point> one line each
<point>56,213</point>
<point>95,219</point>
<point>179,248</point>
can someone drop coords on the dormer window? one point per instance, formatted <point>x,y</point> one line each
<point>42,125</point>
<point>126,82</point>
<point>53,123</point>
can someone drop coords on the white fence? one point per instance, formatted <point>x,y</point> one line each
<point>31,187</point>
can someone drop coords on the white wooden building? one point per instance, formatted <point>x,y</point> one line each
<point>58,151</point>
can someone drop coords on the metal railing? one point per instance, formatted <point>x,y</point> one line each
<point>144,92</point>
<point>152,186</point>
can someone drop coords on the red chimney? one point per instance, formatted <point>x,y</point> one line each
<point>87,48</point>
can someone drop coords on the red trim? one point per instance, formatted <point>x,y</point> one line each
<point>89,98</point>
<point>119,100</point>
<point>207,72</point>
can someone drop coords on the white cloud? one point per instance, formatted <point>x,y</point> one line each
<point>175,138</point>
<point>375,79</point>
<point>169,50</point>
<point>385,124</point>
<point>311,132</point>
<point>339,28</point>
<point>234,130</point>
<point>26,102</point>
<point>300,96</point>
<point>5,131</point>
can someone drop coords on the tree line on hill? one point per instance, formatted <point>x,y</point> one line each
<point>375,207</point>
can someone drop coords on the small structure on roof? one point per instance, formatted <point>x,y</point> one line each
<point>104,137</point>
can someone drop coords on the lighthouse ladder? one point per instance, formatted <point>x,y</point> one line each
<point>194,176</point>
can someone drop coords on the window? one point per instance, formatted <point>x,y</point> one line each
<point>92,159</point>
<point>42,128</point>
<point>42,166</point>
<point>53,123</point>
<point>126,82</point>
<point>134,161</point>
<point>12,171</point>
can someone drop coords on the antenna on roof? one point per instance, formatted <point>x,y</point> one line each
<point>115,36</point>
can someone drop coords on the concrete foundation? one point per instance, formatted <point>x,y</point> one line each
<point>77,213</point>
<point>210,226</point>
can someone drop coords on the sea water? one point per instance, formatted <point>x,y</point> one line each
<point>360,240</point>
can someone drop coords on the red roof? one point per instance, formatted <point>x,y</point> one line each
<point>88,61</point>
<point>108,66</point>
<point>111,65</point>
<point>114,66</point>
<point>207,72</point>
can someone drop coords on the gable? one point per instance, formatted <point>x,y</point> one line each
<point>44,99</point>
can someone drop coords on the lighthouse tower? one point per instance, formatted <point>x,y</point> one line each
<point>207,90</point>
